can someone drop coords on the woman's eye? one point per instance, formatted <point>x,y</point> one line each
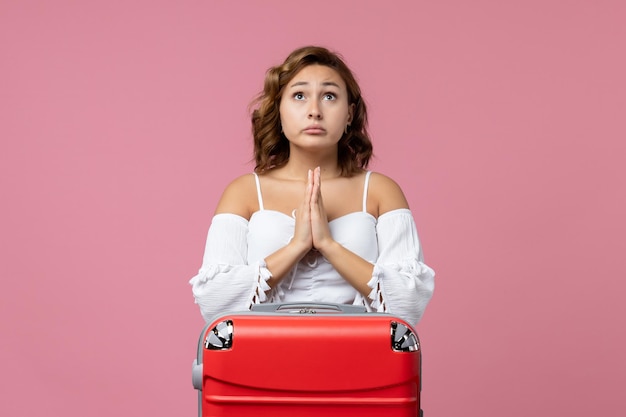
<point>329,96</point>
<point>298,96</point>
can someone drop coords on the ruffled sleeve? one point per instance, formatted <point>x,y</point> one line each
<point>225,282</point>
<point>402,284</point>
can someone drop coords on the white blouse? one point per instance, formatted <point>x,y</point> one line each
<point>233,274</point>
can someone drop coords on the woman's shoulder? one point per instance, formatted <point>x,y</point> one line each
<point>239,197</point>
<point>385,193</point>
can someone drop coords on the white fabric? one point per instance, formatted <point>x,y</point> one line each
<point>233,274</point>
<point>313,279</point>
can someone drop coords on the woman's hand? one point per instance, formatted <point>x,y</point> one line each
<point>311,229</point>
<point>320,231</point>
<point>302,237</point>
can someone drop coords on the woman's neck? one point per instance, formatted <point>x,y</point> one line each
<point>297,167</point>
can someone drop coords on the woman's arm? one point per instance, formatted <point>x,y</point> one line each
<point>225,282</point>
<point>403,283</point>
<point>239,198</point>
<point>384,195</point>
<point>399,281</point>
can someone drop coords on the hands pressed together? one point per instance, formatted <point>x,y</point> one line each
<point>312,232</point>
<point>311,229</point>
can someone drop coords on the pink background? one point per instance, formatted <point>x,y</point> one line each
<point>122,121</point>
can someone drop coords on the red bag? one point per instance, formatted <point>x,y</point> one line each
<point>301,360</point>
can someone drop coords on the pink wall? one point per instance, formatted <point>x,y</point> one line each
<point>121,122</point>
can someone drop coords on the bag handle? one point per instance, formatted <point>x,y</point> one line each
<point>308,308</point>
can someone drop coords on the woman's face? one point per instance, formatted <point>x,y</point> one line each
<point>314,108</point>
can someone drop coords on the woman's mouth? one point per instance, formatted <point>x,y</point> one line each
<point>314,130</point>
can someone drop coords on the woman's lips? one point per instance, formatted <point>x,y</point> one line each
<point>314,130</point>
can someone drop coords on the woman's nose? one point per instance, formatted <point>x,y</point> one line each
<point>314,111</point>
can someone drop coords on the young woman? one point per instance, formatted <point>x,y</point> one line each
<point>311,223</point>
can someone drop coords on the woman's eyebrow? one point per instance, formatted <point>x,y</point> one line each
<point>325,84</point>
